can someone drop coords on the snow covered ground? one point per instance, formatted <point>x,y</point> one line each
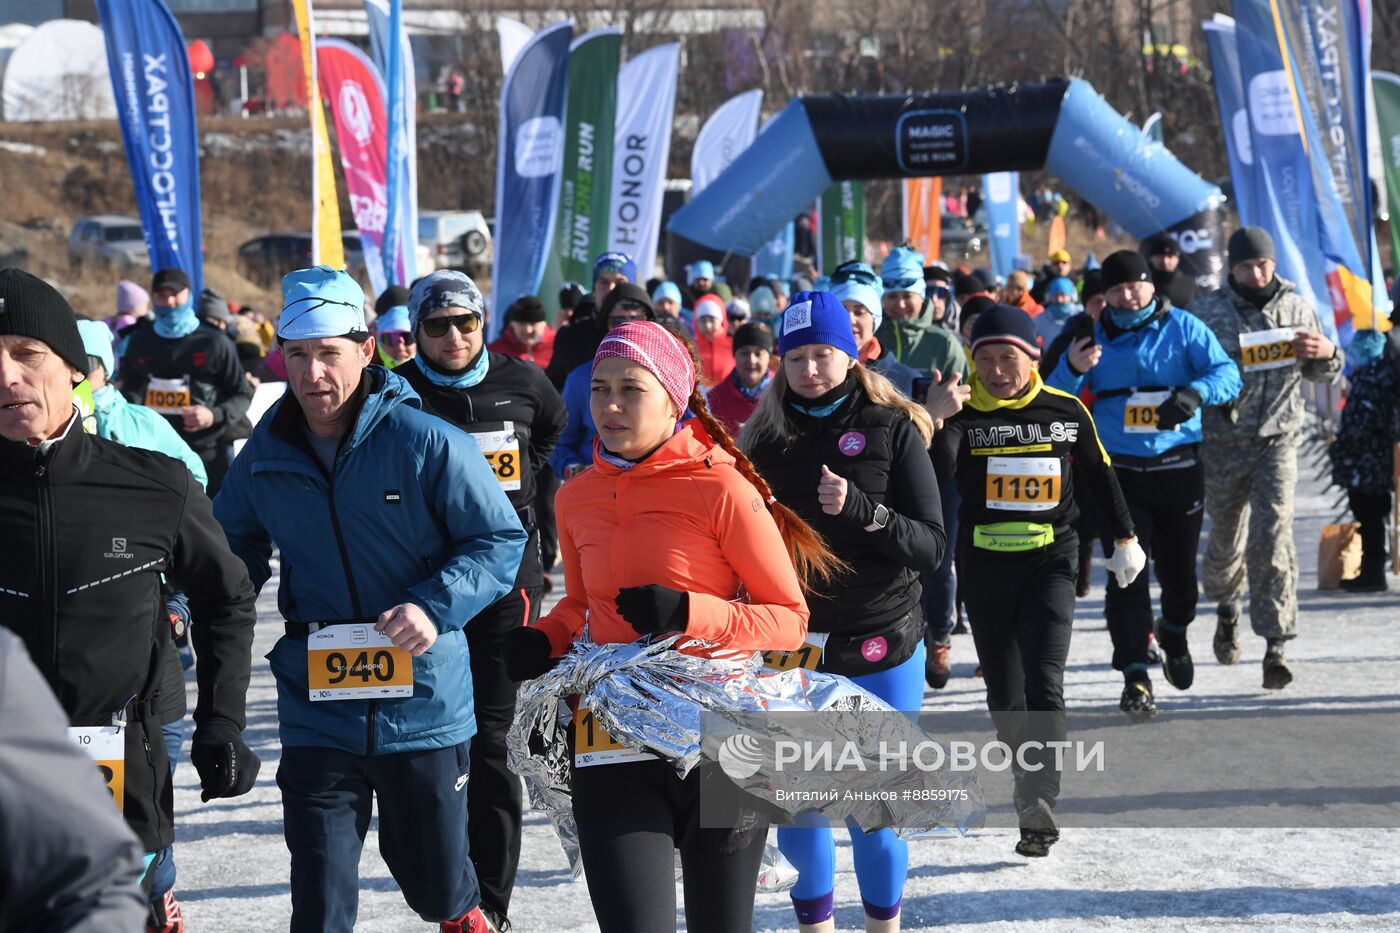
<point>233,864</point>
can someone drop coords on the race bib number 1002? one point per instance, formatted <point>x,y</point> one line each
<point>106,746</point>
<point>354,662</point>
<point>168,396</point>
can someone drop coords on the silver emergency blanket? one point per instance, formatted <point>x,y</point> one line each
<point>651,696</point>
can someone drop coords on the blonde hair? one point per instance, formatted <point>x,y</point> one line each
<point>773,416</point>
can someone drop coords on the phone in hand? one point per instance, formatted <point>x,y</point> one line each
<point>921,386</point>
<point>1083,326</point>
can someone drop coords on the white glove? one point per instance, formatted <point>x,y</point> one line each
<point>1127,562</point>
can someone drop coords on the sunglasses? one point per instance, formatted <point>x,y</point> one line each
<point>465,324</point>
<point>399,337</point>
<point>904,285</point>
<point>859,276</point>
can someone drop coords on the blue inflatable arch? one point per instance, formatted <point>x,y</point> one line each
<point>1063,126</point>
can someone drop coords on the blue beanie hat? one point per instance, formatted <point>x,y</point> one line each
<point>615,262</point>
<point>704,269</point>
<point>903,271</point>
<point>856,281</point>
<point>1005,324</point>
<point>445,288</point>
<point>321,302</point>
<point>97,341</point>
<point>393,319</point>
<point>1061,286</point>
<point>816,317</point>
<point>669,290</point>
<point>1366,347</point>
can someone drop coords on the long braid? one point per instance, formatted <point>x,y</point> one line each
<point>811,558</point>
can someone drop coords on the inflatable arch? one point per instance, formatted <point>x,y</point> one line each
<point>1063,126</point>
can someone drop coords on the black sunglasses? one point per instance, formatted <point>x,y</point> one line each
<point>465,324</point>
<point>399,336</point>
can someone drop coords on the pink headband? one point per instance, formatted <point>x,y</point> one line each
<point>648,344</point>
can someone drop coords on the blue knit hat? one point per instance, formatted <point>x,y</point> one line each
<point>856,281</point>
<point>903,271</point>
<point>97,341</point>
<point>321,302</point>
<point>445,288</point>
<point>816,317</point>
<point>1061,286</point>
<point>615,262</point>
<point>1005,324</point>
<point>393,319</point>
<point>703,269</point>
<point>669,290</point>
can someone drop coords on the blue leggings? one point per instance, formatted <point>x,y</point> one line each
<point>882,858</point>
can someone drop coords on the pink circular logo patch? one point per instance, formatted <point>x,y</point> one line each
<point>874,648</point>
<point>851,443</point>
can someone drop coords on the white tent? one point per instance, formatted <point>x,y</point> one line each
<point>59,72</point>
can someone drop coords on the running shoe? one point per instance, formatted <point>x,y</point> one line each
<point>473,921</point>
<point>936,667</point>
<point>1177,666</point>
<point>1039,831</point>
<point>165,915</point>
<point>1137,700</point>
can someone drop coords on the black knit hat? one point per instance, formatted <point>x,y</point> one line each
<point>1250,243</point>
<point>967,284</point>
<point>1093,285</point>
<point>628,292</point>
<point>392,297</point>
<point>1126,265</point>
<point>31,307</point>
<point>1160,244</point>
<point>526,309</point>
<point>753,335</point>
<point>1005,324</point>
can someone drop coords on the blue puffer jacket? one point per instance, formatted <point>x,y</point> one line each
<point>1173,349</point>
<point>411,513</point>
<point>575,445</point>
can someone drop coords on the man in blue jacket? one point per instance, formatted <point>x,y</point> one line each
<point>393,533</point>
<point>1151,368</point>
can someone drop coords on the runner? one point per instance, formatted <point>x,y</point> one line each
<point>909,330</point>
<point>857,287</point>
<point>190,374</point>
<point>659,536</point>
<point>733,401</point>
<point>712,340</point>
<point>393,336</point>
<point>1151,367</point>
<point>107,520</point>
<point>527,334</point>
<point>575,342</point>
<point>849,454</point>
<point>393,534</point>
<point>513,412</point>
<point>1010,451</point>
<point>1251,448</point>
<point>1170,281</point>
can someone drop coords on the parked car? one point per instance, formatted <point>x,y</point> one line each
<point>110,240</point>
<point>265,259</point>
<point>961,239</point>
<point>457,239</point>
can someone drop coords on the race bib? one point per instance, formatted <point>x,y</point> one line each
<point>354,662</point>
<point>808,656</point>
<point>1023,484</point>
<point>106,745</point>
<point>1267,349</point>
<point>593,745</point>
<point>168,396</point>
<point>502,450</point>
<point>1140,414</point>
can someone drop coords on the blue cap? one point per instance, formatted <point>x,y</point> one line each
<point>856,281</point>
<point>703,269</point>
<point>97,341</point>
<point>445,288</point>
<point>321,302</point>
<point>816,317</point>
<point>393,319</point>
<point>615,262</point>
<point>903,271</point>
<point>1061,286</point>
<point>667,290</point>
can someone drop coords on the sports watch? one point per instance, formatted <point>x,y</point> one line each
<point>881,519</point>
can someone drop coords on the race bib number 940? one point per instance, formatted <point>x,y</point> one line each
<point>354,662</point>
<point>1267,349</point>
<point>106,746</point>
<point>1023,484</point>
<point>502,450</point>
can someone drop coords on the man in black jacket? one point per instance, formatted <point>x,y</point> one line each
<point>87,527</point>
<point>516,417</point>
<point>577,341</point>
<point>189,373</point>
<point>1164,256</point>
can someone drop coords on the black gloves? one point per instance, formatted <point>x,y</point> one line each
<point>653,608</point>
<point>1178,409</point>
<point>527,654</point>
<point>227,767</point>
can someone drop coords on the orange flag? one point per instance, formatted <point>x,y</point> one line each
<point>923,215</point>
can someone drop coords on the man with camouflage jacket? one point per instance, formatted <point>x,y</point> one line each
<point>1250,448</point>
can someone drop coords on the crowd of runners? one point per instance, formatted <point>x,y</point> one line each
<point>863,463</point>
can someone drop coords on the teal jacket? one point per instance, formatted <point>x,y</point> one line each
<point>410,513</point>
<point>137,426</point>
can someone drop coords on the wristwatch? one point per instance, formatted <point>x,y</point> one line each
<point>881,519</point>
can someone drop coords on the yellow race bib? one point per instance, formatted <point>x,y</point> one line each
<point>594,745</point>
<point>1262,350</point>
<point>502,450</point>
<point>106,746</point>
<point>1023,484</point>
<point>354,662</point>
